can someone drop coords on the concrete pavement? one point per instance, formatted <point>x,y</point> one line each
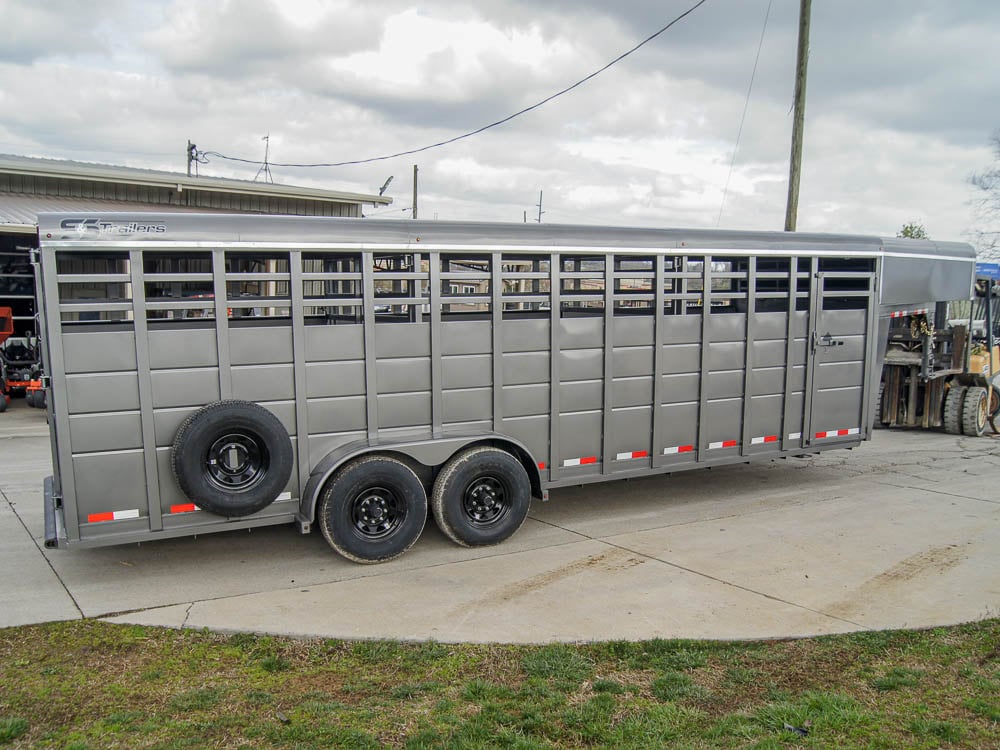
<point>902,532</point>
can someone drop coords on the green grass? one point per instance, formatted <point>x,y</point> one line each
<point>897,678</point>
<point>88,684</point>
<point>12,728</point>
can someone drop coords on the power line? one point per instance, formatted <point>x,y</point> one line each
<point>746,105</point>
<point>507,119</point>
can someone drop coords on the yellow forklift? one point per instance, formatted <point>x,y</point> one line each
<point>943,373</point>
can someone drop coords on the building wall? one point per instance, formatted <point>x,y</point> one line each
<point>153,196</point>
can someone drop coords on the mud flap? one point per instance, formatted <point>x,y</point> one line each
<point>55,531</point>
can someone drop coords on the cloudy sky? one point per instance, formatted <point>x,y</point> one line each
<point>902,102</point>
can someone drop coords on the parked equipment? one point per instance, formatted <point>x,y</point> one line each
<point>20,366</point>
<point>942,371</point>
<point>6,330</point>
<point>211,373</point>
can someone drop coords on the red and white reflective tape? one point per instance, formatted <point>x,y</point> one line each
<point>764,439</point>
<point>722,444</point>
<point>633,454</point>
<point>541,465</point>
<point>115,515</point>
<point>838,433</point>
<point>904,313</point>
<point>678,449</point>
<point>580,461</point>
<point>186,508</point>
<point>794,435</point>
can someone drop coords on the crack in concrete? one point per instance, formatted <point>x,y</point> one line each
<point>934,491</point>
<point>710,577</point>
<point>41,552</point>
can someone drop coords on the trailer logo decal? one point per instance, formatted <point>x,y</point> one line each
<point>633,454</point>
<point>838,433</point>
<point>580,461</point>
<point>83,227</point>
<point>116,515</point>
<point>678,449</point>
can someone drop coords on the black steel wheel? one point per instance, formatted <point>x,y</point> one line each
<point>975,411</point>
<point>481,497</point>
<point>952,417</point>
<point>236,461</point>
<point>373,509</point>
<point>232,458</point>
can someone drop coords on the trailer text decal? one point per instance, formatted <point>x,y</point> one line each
<point>84,227</point>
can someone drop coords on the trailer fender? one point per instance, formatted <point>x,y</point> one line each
<point>425,453</point>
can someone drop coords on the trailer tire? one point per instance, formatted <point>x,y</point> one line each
<point>3,402</point>
<point>232,458</point>
<point>975,411</point>
<point>373,509</point>
<point>481,497</point>
<point>952,417</point>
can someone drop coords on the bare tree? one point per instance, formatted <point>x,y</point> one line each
<point>987,204</point>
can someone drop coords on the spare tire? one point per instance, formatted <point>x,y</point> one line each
<point>232,458</point>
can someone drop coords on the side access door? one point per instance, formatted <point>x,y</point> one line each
<point>842,332</point>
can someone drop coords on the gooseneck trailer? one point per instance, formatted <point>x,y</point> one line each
<point>209,373</point>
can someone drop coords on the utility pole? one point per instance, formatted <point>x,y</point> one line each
<point>414,211</point>
<point>540,211</point>
<point>798,124</point>
<point>192,156</point>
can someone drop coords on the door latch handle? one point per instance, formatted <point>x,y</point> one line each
<point>826,339</point>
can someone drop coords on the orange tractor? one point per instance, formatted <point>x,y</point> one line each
<point>20,369</point>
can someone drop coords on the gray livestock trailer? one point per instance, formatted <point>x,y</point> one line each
<point>209,373</point>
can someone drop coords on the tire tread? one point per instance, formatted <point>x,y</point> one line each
<point>345,474</point>
<point>437,499</point>
<point>282,458</point>
<point>952,417</point>
<point>974,397</point>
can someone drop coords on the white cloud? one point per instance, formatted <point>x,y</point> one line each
<point>898,112</point>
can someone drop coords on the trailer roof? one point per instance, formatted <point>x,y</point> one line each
<point>185,228</point>
<point>27,166</point>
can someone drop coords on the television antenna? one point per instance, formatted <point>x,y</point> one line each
<point>265,168</point>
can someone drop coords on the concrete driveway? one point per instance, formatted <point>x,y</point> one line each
<point>902,532</point>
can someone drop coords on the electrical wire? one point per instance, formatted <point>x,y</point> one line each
<point>746,106</point>
<point>507,119</point>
